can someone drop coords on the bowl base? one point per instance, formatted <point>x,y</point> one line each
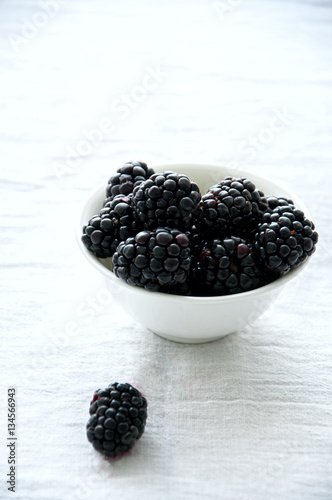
<point>183,340</point>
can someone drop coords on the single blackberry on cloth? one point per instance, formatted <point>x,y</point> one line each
<point>127,178</point>
<point>117,419</point>
<point>233,206</point>
<point>115,223</point>
<point>285,239</point>
<point>158,260</point>
<point>167,200</point>
<point>228,266</point>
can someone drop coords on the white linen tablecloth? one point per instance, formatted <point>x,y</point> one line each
<point>86,86</point>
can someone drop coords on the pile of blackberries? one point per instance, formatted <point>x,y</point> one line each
<point>164,236</point>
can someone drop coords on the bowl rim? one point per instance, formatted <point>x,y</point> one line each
<point>97,262</point>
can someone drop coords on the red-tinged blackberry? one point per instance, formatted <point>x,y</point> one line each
<point>167,200</point>
<point>276,203</point>
<point>127,178</point>
<point>158,260</point>
<point>117,419</point>
<point>233,206</point>
<point>115,223</point>
<point>228,266</point>
<point>285,239</point>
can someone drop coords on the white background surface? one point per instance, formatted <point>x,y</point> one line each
<point>245,418</point>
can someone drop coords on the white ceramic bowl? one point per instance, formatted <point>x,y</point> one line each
<point>190,319</point>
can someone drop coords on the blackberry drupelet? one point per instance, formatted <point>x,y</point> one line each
<point>232,207</point>
<point>276,203</point>
<point>196,239</point>
<point>127,178</point>
<point>228,266</point>
<point>115,223</point>
<point>158,260</point>
<point>117,419</point>
<point>167,200</point>
<point>285,239</point>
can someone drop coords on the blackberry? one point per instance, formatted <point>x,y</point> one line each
<point>117,419</point>
<point>166,200</point>
<point>127,178</point>
<point>285,239</point>
<point>233,206</point>
<point>229,266</point>
<point>158,260</point>
<point>115,223</point>
<point>276,203</point>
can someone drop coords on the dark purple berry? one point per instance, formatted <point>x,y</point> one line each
<point>232,207</point>
<point>228,266</point>
<point>285,239</point>
<point>167,200</point>
<point>117,431</point>
<point>158,260</point>
<point>128,176</point>
<point>115,223</point>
